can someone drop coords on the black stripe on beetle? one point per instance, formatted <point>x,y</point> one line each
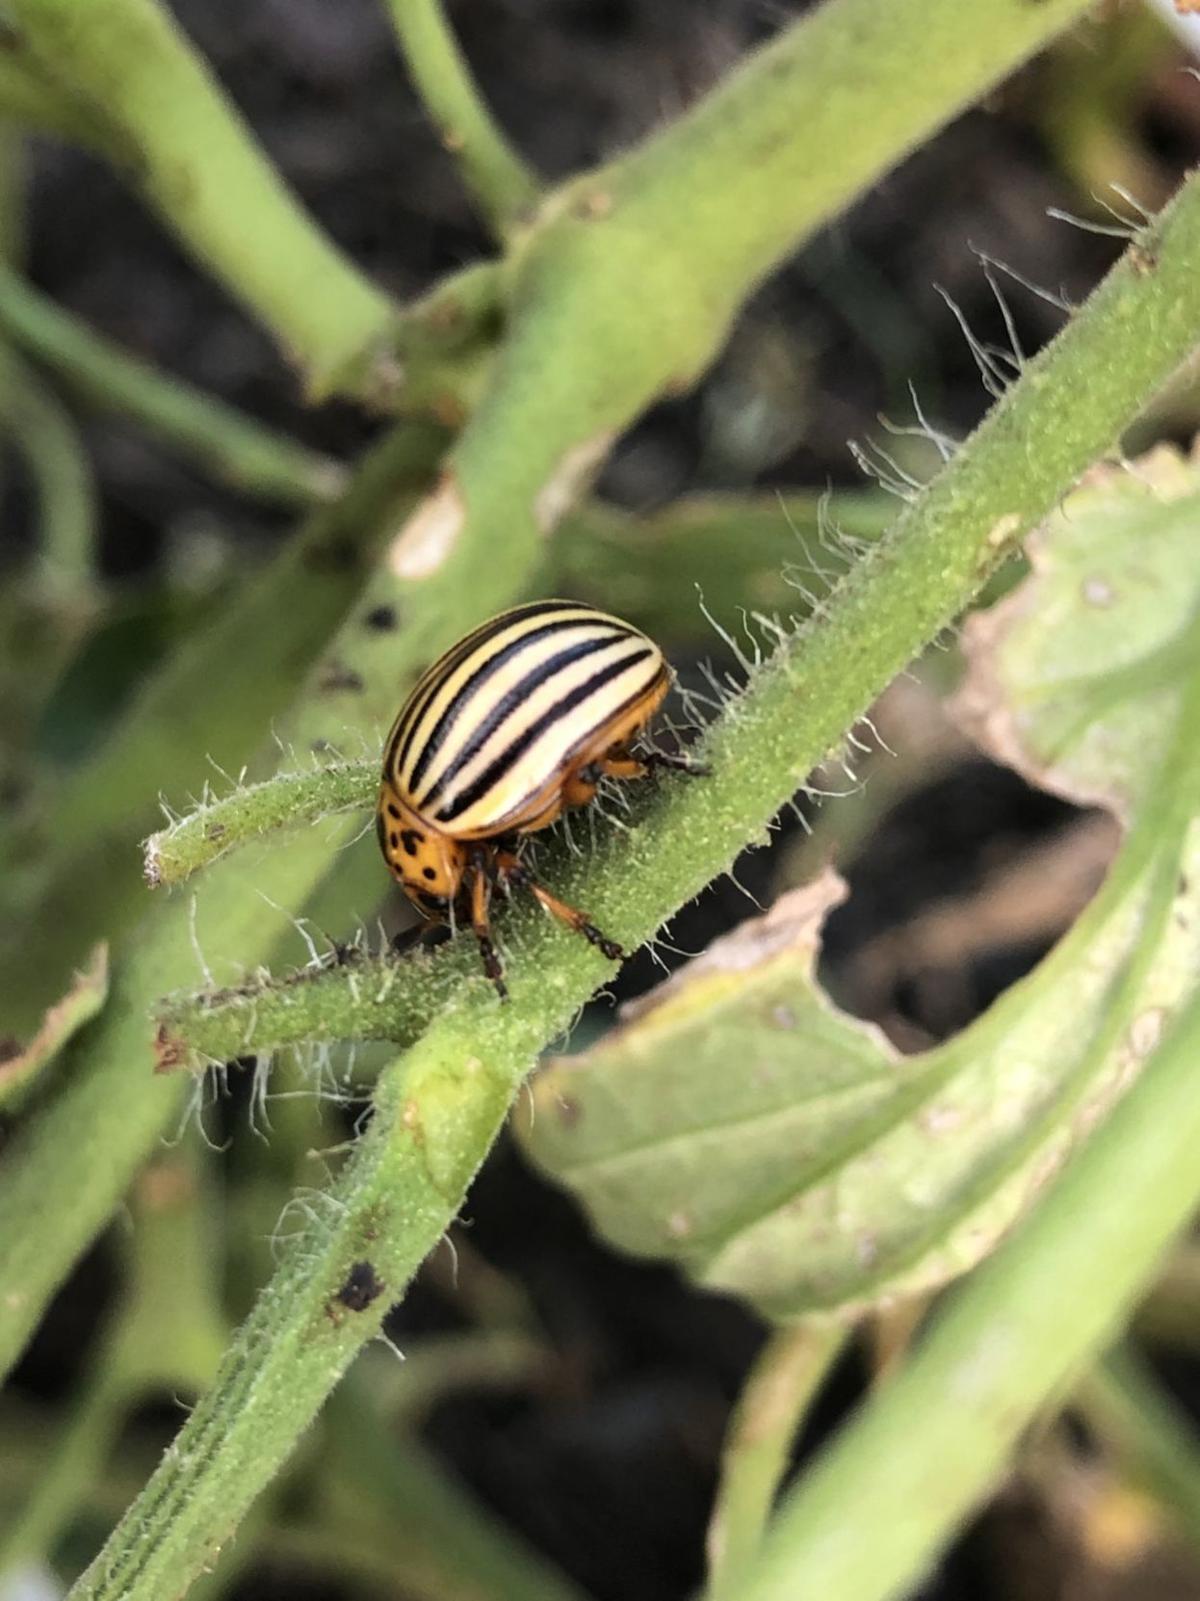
<point>507,708</point>
<point>487,669</point>
<point>518,746</point>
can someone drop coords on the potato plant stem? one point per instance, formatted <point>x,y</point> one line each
<point>440,1106</point>
<point>234,448</point>
<point>497,178</point>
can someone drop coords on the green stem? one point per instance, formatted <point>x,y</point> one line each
<point>112,1108</point>
<point>625,288</point>
<point>504,186</point>
<point>167,1335</point>
<point>214,698</point>
<point>403,1501</point>
<point>999,1352</point>
<point>289,800</point>
<point>166,120</point>
<point>440,1106</point>
<point>762,1432</point>
<point>28,100</point>
<point>1154,1443</point>
<point>49,441</point>
<point>232,447</point>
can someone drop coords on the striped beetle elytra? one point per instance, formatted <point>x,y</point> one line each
<point>514,725</point>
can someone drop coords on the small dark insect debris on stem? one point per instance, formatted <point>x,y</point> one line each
<point>362,1286</point>
<point>381,617</point>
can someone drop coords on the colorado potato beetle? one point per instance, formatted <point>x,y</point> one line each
<point>511,727</point>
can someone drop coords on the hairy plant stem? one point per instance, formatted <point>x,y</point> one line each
<point>440,1105</point>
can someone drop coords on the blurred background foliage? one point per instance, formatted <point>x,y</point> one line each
<point>556,1425</point>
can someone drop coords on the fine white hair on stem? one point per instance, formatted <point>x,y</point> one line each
<point>568,834</point>
<point>448,1242</point>
<point>875,462</point>
<point>945,444</point>
<point>880,742</point>
<point>365,829</point>
<point>1134,204</point>
<point>234,783</point>
<point>204,1092</point>
<point>811,565</point>
<point>681,951</point>
<point>995,380</point>
<point>194,940</point>
<point>1059,298</point>
<point>385,1338</point>
<point>724,634</point>
<point>731,875</point>
<point>1122,230</point>
<point>1017,355</point>
<point>259,1117</point>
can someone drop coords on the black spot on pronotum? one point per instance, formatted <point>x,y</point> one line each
<point>411,839</point>
<point>381,618</point>
<point>362,1286</point>
<point>393,839</point>
<point>393,811</point>
<point>428,873</point>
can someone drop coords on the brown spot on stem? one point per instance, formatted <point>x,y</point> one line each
<point>594,204</point>
<point>170,1051</point>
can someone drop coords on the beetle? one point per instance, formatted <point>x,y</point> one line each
<point>514,725</point>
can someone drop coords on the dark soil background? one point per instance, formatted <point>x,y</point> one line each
<point>613,1476</point>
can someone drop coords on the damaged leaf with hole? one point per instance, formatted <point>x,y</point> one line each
<point>737,1123</point>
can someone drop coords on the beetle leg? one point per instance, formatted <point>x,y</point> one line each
<point>426,934</point>
<point>517,874</point>
<point>481,923</point>
<point>624,766</point>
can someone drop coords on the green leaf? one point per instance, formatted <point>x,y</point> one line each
<point>1075,678</point>
<point>778,1150</point>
